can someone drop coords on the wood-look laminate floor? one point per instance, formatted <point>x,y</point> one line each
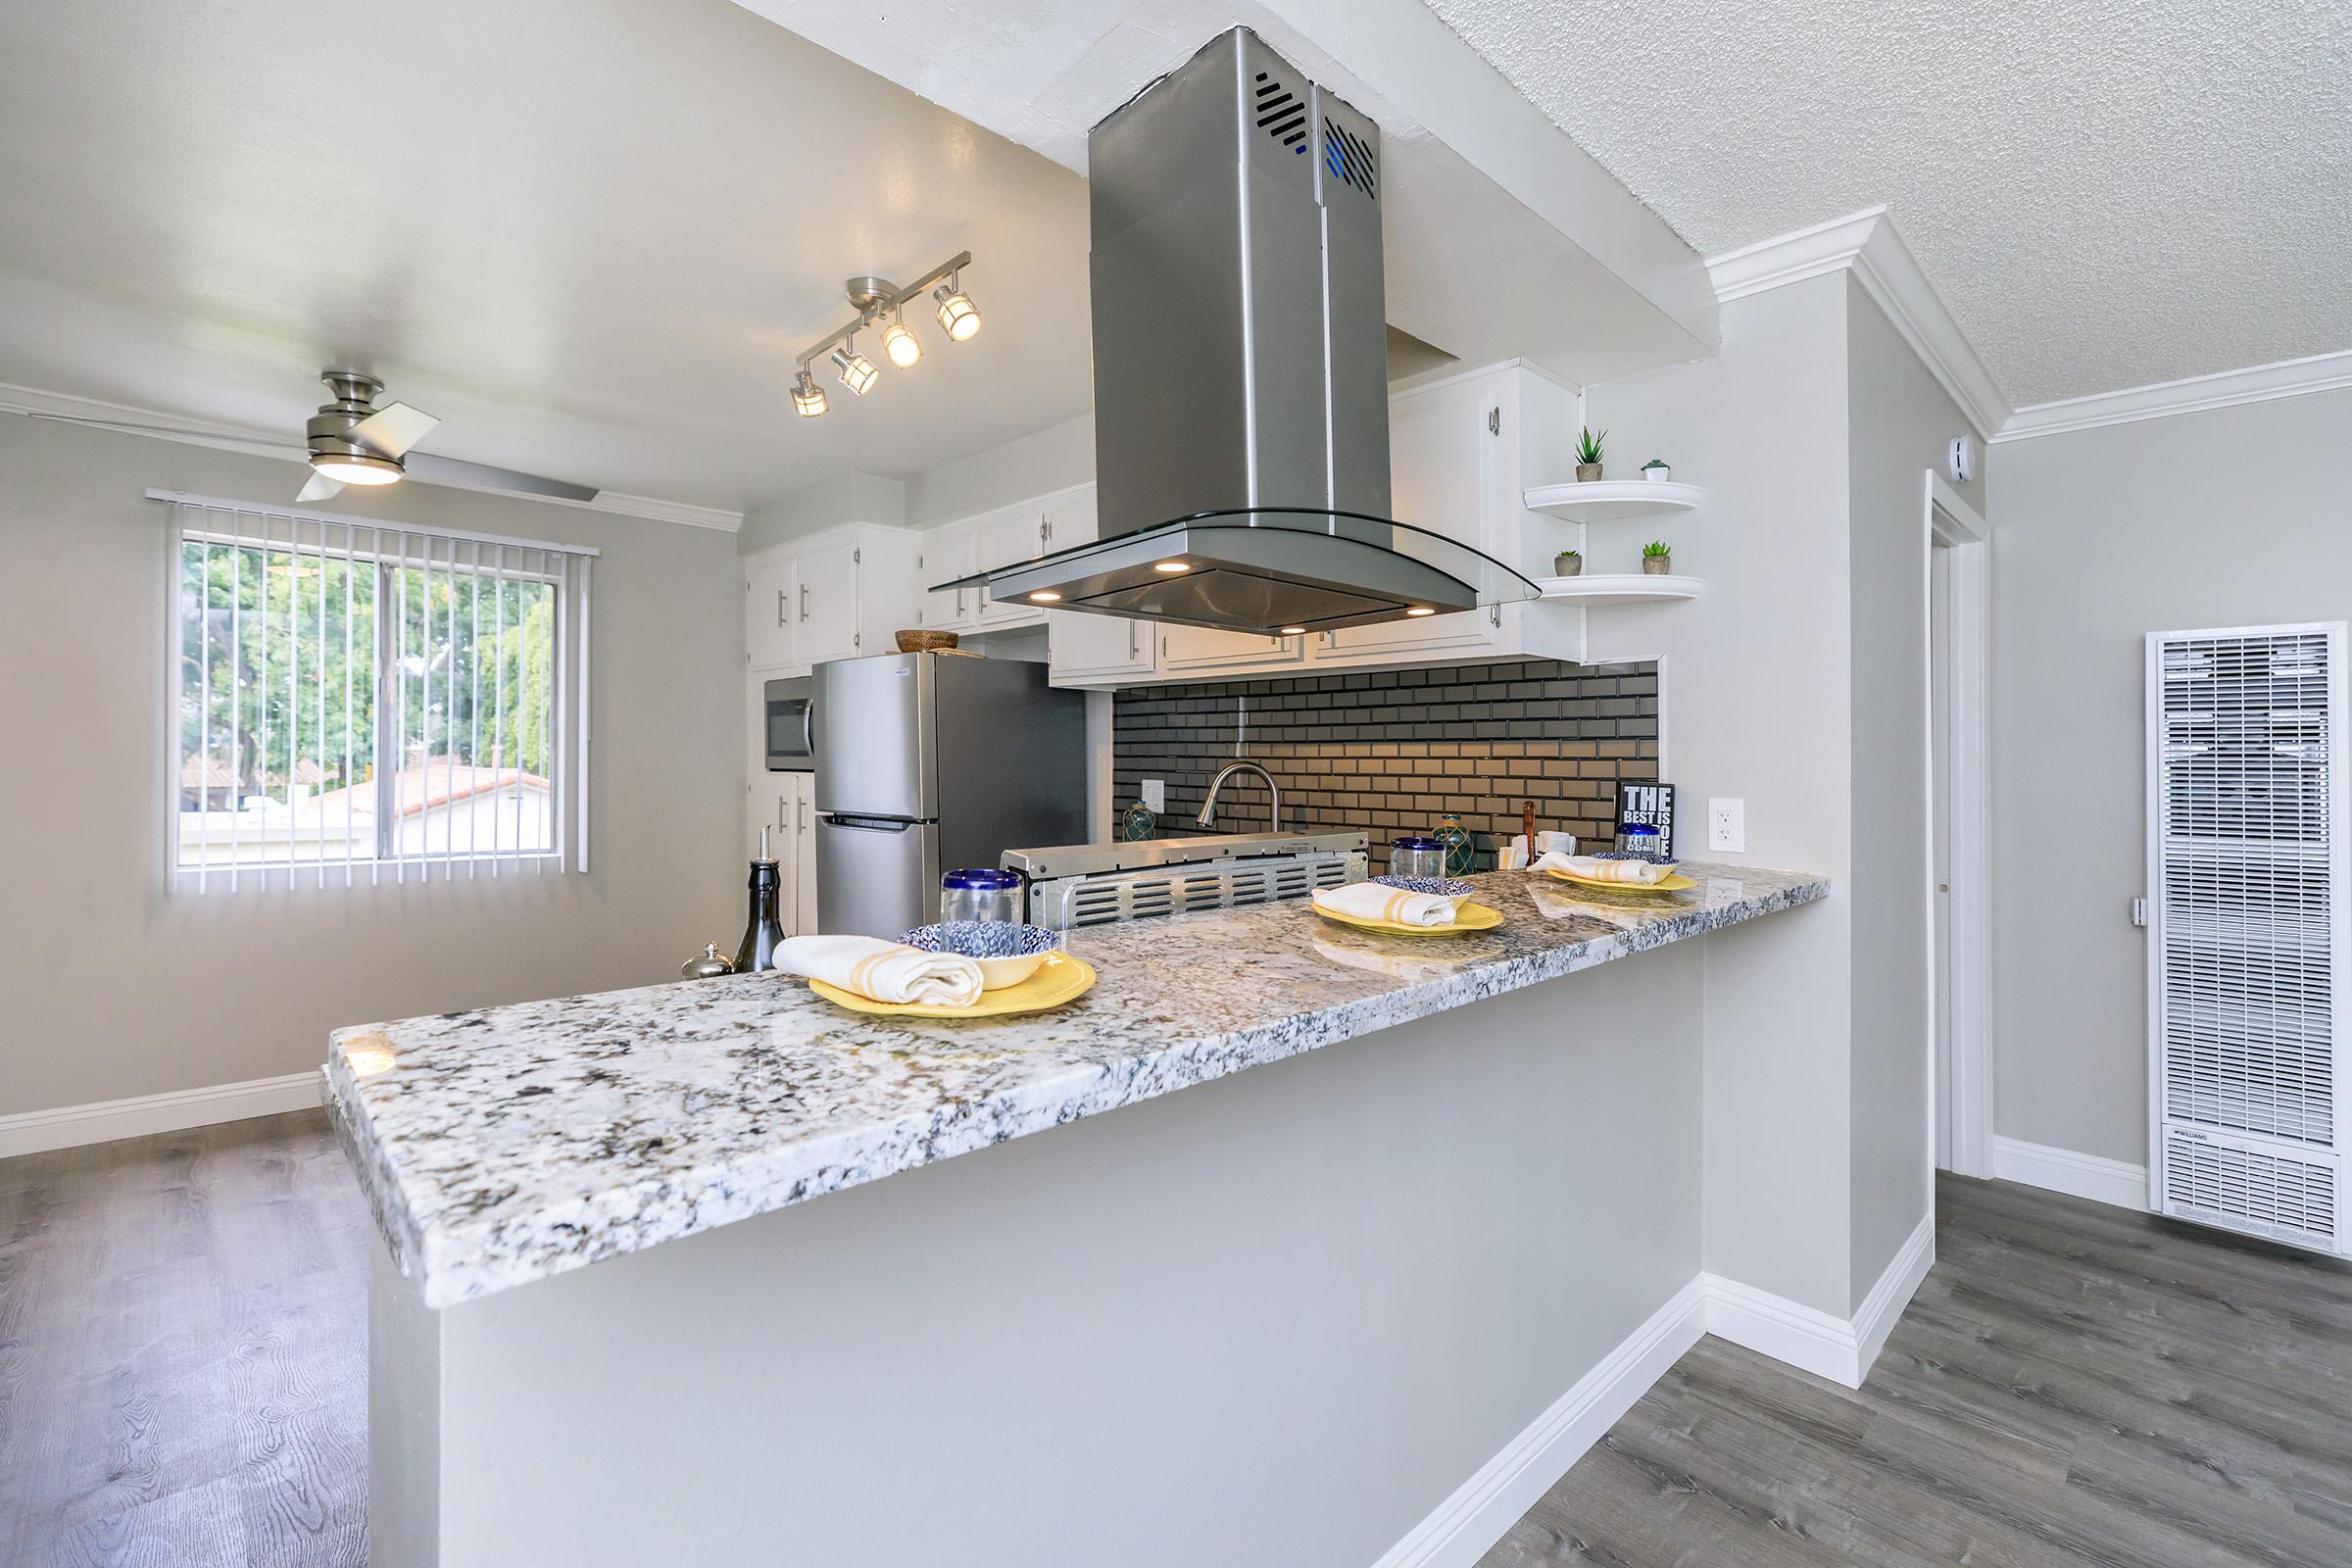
<point>183,1382</point>
<point>2074,1385</point>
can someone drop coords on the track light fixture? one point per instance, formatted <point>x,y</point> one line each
<point>876,298</point>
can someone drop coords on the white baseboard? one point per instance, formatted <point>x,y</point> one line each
<point>2062,1170</point>
<point>31,1132</point>
<point>1842,1350</point>
<point>1484,1508</point>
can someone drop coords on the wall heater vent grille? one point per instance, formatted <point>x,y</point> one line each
<point>2246,849</point>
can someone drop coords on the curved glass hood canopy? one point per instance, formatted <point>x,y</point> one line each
<point>1274,571</point>
<point>1240,370</point>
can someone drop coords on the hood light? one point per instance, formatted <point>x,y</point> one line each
<point>1420,609</point>
<point>1293,631</point>
<point>1046,596</point>
<point>1172,565</point>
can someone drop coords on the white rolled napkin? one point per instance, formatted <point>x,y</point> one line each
<point>883,972</point>
<point>1512,857</point>
<point>1593,868</point>
<point>1369,900</point>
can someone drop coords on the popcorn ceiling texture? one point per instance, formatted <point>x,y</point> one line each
<point>2107,193</point>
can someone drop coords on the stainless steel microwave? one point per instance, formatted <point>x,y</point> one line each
<point>791,726</point>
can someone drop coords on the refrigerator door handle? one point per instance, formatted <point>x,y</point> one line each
<point>868,824</point>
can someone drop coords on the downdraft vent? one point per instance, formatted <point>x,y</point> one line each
<point>1280,114</point>
<point>1348,158</point>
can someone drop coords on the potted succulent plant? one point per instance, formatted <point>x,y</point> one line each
<point>1657,558</point>
<point>1567,564</point>
<point>1588,453</point>
<point>1656,469</point>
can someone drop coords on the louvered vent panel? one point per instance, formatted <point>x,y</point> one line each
<point>2245,824</point>
<point>2251,1189</point>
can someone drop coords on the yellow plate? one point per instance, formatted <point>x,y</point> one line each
<point>1466,917</point>
<point>1059,979</point>
<point>1673,882</point>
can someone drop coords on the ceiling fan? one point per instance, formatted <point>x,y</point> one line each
<point>350,441</point>
<point>353,442</point>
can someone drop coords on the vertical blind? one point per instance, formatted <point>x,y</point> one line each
<point>362,700</point>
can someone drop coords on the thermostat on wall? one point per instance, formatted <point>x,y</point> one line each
<point>1963,459</point>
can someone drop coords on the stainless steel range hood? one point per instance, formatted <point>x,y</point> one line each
<point>1241,387</point>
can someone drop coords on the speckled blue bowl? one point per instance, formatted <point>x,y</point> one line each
<point>1006,954</point>
<point>1445,887</point>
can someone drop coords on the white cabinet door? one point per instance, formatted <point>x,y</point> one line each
<point>826,604</point>
<point>1083,649</point>
<point>1070,519</point>
<point>795,853</point>
<point>1447,461</point>
<point>946,555</point>
<point>770,609</point>
<point>889,593</point>
<point>1000,539</point>
<point>1197,650</point>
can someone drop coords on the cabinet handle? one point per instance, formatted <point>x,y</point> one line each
<point>779,607</point>
<point>803,600</point>
<point>783,817</point>
<point>1131,653</point>
<point>1495,614</point>
<point>959,604</point>
<point>804,818</point>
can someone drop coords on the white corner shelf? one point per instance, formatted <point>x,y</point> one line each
<point>1620,588</point>
<point>1606,499</point>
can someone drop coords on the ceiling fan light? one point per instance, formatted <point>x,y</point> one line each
<point>808,398</point>
<point>857,372</point>
<point>958,317</point>
<point>347,467</point>
<point>902,345</point>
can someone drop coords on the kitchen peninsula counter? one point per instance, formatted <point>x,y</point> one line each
<point>505,1145</point>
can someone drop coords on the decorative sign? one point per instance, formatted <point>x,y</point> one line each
<point>1647,806</point>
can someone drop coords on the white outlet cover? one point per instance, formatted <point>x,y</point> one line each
<point>1727,826</point>
<point>1156,794</point>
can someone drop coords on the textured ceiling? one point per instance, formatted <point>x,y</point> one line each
<point>2108,193</point>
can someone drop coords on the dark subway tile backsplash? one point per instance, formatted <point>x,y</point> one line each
<point>1392,751</point>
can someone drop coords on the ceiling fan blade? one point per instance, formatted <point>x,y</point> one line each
<point>319,488</point>
<point>393,428</point>
<point>436,470</point>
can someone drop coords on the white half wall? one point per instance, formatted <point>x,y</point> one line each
<point>2225,517</point>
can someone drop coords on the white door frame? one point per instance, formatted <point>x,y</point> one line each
<point>1950,520</point>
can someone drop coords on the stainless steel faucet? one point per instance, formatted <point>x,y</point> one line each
<point>1208,807</point>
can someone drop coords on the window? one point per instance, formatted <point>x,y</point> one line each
<point>365,700</point>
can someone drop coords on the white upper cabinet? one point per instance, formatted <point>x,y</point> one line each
<point>1100,649</point>
<point>947,554</point>
<point>1189,651</point>
<point>1447,452</point>
<point>1002,538</point>
<point>825,603</point>
<point>771,607</point>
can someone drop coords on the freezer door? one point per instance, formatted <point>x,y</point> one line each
<point>875,876</point>
<point>873,737</point>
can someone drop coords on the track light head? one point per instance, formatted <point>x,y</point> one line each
<point>900,344</point>
<point>857,372</point>
<point>958,317</point>
<point>808,398</point>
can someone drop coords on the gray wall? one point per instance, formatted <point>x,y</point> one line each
<point>117,988</point>
<point>2227,517</point>
<point>1272,1320</point>
<point>1901,423</point>
<point>1052,459</point>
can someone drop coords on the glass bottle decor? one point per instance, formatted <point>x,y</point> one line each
<point>1459,846</point>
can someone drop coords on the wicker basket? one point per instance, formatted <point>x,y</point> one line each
<point>925,642</point>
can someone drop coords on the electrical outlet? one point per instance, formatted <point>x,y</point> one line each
<point>1155,795</point>
<point>1727,826</point>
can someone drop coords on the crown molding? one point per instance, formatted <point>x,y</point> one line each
<point>1866,244</point>
<point>125,419</point>
<point>2259,384</point>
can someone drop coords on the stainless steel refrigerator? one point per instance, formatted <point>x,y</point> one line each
<point>929,762</point>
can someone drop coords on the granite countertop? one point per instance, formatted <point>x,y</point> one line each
<point>505,1145</point>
